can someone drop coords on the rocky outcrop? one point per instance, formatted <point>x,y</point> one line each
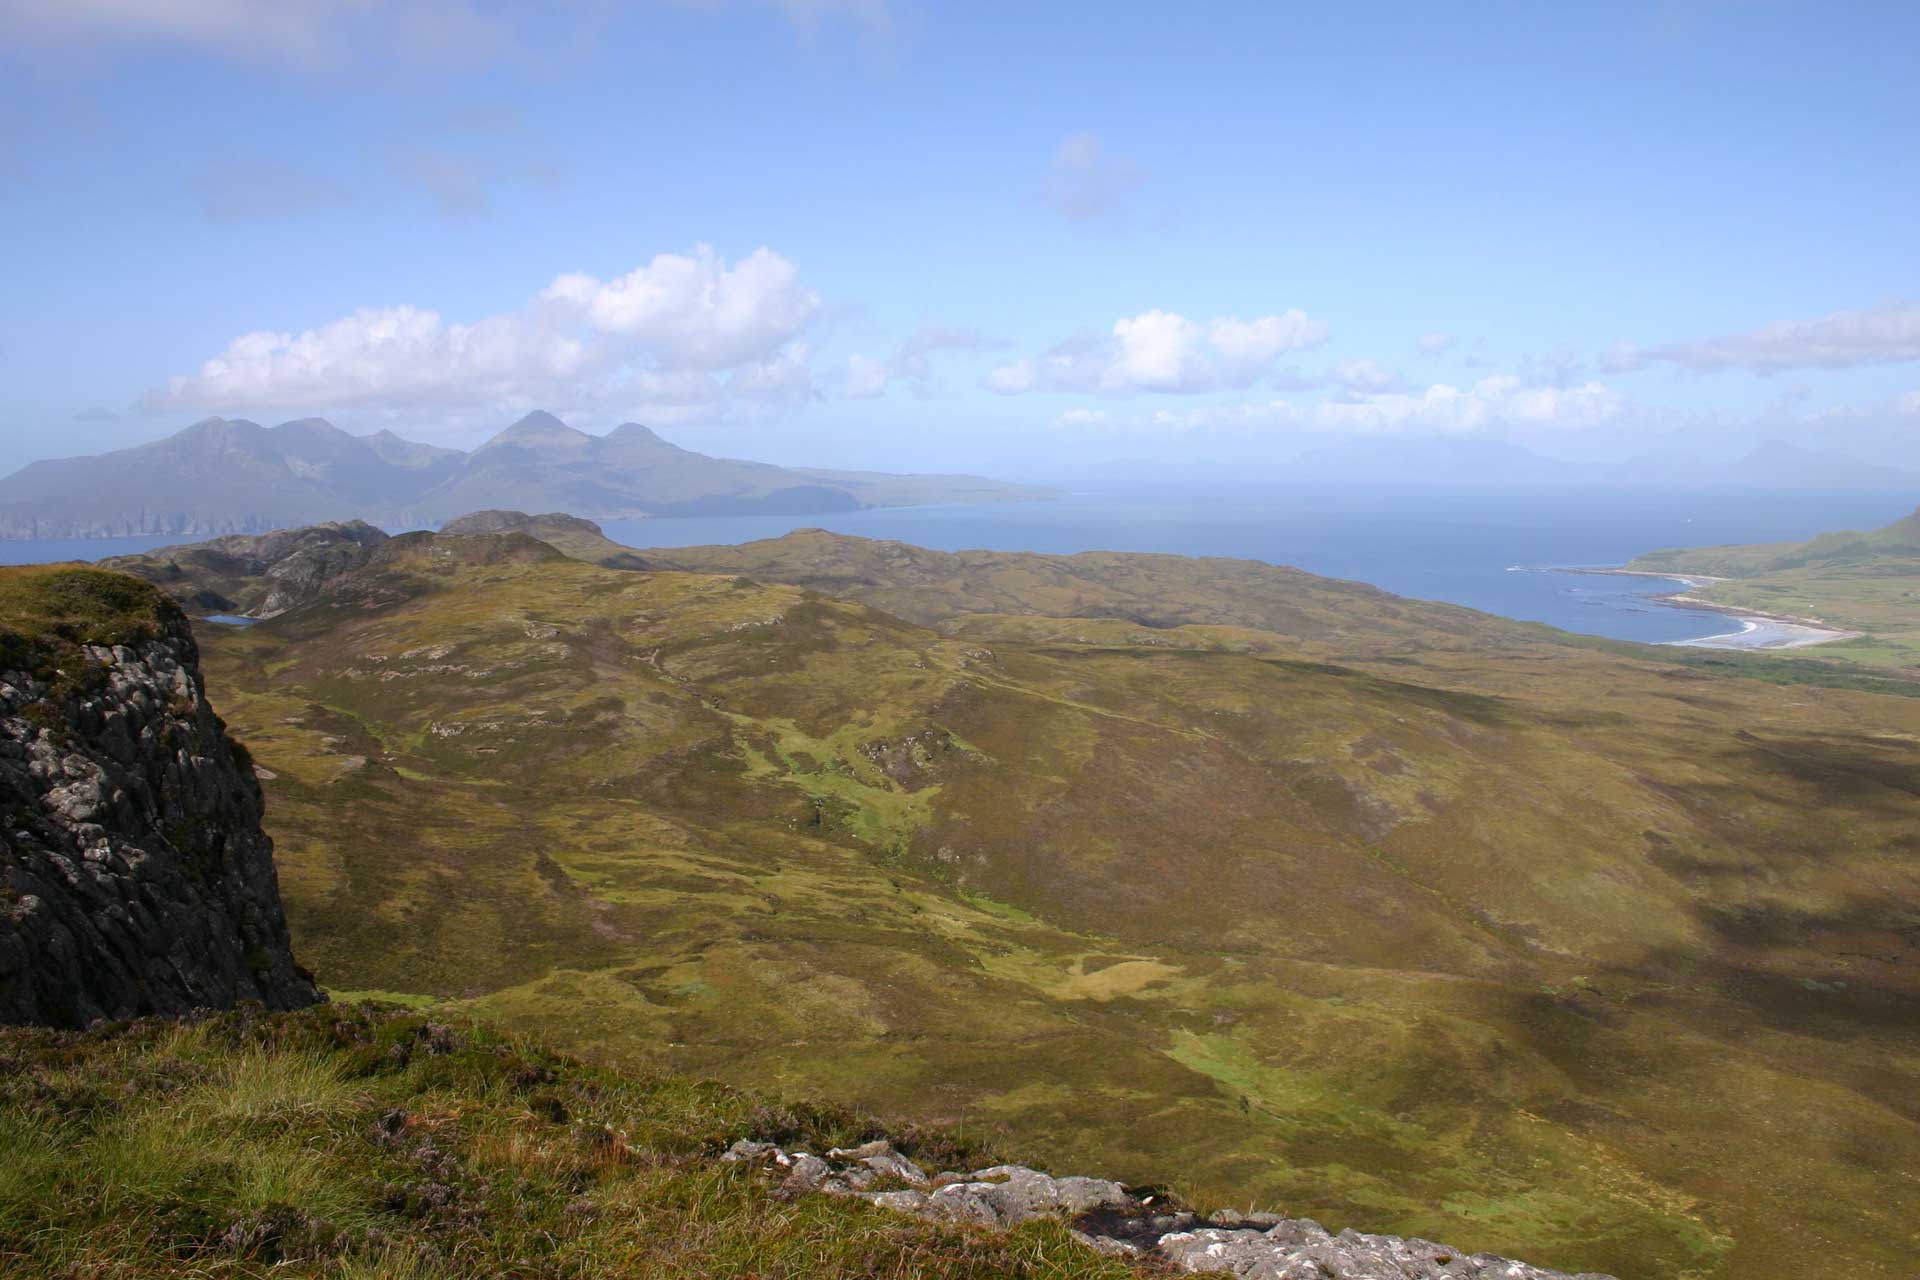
<point>134,875</point>
<point>260,576</point>
<point>499,521</point>
<point>1135,1225</point>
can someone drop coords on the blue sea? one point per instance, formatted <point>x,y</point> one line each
<point>1457,546</point>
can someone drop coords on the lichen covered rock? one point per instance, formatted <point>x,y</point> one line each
<point>134,875</point>
<point>1123,1223</point>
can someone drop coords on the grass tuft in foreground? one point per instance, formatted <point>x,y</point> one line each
<point>357,1142</point>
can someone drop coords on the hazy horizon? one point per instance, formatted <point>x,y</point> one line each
<point>905,238</point>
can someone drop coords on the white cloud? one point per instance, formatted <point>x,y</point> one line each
<point>695,308</point>
<point>689,331</point>
<point>1163,351</point>
<point>1082,417</point>
<point>1434,344</point>
<point>1086,182</point>
<point>1885,334</point>
<point>1491,405</point>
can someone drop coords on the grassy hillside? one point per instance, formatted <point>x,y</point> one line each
<point>1867,582</point>
<point>345,1143</point>
<point>58,606</point>
<point>1601,962</point>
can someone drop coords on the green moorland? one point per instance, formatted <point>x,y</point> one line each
<point>1283,890</point>
<point>345,1143</point>
<point>1865,582</point>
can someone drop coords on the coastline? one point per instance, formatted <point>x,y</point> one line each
<point>1758,629</point>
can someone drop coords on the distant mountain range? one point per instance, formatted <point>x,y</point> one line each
<point>224,476</point>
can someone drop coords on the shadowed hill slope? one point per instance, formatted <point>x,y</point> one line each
<point>1472,934</point>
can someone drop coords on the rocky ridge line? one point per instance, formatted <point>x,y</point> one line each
<point>1135,1225</point>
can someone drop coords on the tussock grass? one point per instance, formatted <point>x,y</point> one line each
<point>356,1142</point>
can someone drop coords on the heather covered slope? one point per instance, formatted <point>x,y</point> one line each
<point>1600,962</point>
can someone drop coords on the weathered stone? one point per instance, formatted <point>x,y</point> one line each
<point>1106,1217</point>
<point>805,1174</point>
<point>134,875</point>
<point>899,1201</point>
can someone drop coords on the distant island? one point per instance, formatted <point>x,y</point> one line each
<point>224,476</point>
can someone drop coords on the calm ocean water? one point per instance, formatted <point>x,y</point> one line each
<point>1453,546</point>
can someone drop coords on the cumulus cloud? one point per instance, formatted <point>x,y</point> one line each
<point>1884,334</point>
<point>1086,182</point>
<point>694,308</point>
<point>685,331</point>
<point>1163,351</point>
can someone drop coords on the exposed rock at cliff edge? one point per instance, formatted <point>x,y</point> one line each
<point>134,875</point>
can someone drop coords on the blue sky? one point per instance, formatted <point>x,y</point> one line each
<point>883,232</point>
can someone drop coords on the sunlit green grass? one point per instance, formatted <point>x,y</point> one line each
<point>344,1143</point>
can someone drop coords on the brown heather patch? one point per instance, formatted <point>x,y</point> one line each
<point>1467,997</point>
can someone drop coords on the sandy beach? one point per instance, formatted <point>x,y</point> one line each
<point>1757,630</point>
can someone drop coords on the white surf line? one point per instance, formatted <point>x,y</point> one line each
<point>1779,632</point>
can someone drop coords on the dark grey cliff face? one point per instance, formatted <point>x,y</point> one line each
<point>134,876</point>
